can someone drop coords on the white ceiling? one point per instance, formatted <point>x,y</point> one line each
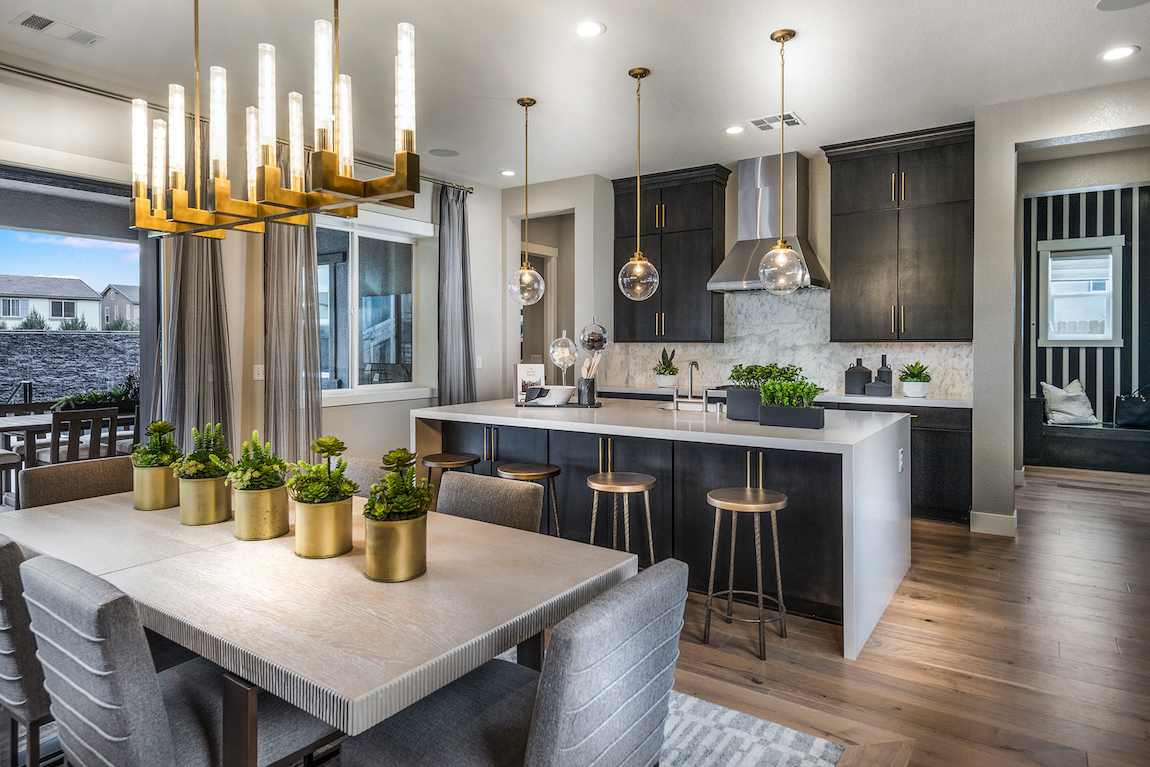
<point>858,68</point>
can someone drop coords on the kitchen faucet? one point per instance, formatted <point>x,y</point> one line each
<point>692,366</point>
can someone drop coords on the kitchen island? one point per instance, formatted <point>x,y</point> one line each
<point>844,539</point>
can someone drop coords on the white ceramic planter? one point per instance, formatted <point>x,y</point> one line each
<point>666,382</point>
<point>915,388</point>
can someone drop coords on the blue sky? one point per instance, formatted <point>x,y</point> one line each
<point>96,262</point>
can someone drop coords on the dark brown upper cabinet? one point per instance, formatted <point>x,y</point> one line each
<point>683,222</point>
<point>902,237</point>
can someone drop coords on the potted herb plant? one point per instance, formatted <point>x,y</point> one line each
<point>915,380</point>
<point>322,496</point>
<point>743,396</point>
<point>204,498</point>
<point>790,403</point>
<point>261,501</point>
<point>153,484</point>
<point>666,372</point>
<point>396,521</point>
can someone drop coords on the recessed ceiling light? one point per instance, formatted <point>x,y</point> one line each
<point>1120,52</point>
<point>1118,5</point>
<point>590,28</point>
<point>444,152</point>
<point>735,129</point>
<point>507,172</point>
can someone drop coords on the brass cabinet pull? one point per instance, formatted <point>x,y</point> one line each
<point>610,452</point>
<point>494,444</point>
<point>902,318</point>
<point>656,215</point>
<point>902,192</point>
<point>892,330</point>
<point>663,208</point>
<point>748,468</point>
<point>485,430</point>
<point>656,323</point>
<point>892,186</point>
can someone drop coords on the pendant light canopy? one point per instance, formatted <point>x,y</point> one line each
<point>783,270</point>
<point>527,285</point>
<point>638,279</point>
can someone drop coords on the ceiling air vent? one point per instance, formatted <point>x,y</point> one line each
<point>772,122</point>
<point>61,30</point>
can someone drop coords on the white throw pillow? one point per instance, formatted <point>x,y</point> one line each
<point>1069,405</point>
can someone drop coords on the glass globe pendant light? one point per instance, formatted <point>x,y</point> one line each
<point>527,285</point>
<point>782,270</point>
<point>638,279</point>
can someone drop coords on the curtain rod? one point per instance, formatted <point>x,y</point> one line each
<point>127,100</point>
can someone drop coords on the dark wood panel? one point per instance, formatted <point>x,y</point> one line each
<point>686,207</point>
<point>636,320</point>
<point>940,479</point>
<point>467,438</point>
<point>936,175</point>
<point>690,311</point>
<point>625,212</point>
<point>864,184</point>
<point>936,272</point>
<point>866,276</point>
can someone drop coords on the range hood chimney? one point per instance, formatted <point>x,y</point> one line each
<point>759,196</point>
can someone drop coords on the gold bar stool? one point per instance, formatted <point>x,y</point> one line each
<point>534,472</point>
<point>757,501</point>
<point>448,461</point>
<point>622,483</point>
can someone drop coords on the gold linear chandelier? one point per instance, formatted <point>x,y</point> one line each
<point>334,189</point>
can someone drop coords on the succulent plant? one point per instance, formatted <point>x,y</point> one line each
<point>198,463</point>
<point>666,366</point>
<point>257,468</point>
<point>322,482</point>
<point>160,449</point>
<point>400,496</point>
<point>914,373</point>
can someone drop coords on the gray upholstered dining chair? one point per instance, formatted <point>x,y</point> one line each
<point>491,499</point>
<point>110,705</point>
<point>61,482</point>
<point>364,473</point>
<point>601,699</point>
<point>23,701</point>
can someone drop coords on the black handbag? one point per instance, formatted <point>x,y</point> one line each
<point>1132,410</point>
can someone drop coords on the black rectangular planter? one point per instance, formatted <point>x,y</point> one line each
<point>796,417</point>
<point>743,404</point>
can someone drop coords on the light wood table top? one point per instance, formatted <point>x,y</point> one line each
<point>317,632</point>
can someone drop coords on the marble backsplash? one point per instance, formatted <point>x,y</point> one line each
<point>795,329</point>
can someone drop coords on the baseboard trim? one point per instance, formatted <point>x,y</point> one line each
<point>994,524</point>
<point>1020,477</point>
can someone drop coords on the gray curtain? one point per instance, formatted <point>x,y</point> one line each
<point>197,356</point>
<point>293,410</point>
<point>456,352</point>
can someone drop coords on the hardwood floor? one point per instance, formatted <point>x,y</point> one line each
<point>994,651</point>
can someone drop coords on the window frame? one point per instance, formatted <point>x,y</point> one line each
<point>1052,249</point>
<point>23,308</point>
<point>63,315</point>
<point>405,232</point>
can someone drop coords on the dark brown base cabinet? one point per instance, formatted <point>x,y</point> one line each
<point>810,528</point>
<point>940,459</point>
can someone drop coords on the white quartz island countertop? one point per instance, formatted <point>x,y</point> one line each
<point>643,418</point>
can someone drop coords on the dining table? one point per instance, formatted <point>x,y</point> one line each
<point>32,425</point>
<point>317,632</point>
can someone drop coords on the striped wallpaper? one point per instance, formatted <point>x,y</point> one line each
<point>1104,371</point>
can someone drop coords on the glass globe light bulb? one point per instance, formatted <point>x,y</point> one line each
<point>527,286</point>
<point>782,270</point>
<point>638,279</point>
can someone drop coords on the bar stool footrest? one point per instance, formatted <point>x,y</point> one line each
<point>769,602</point>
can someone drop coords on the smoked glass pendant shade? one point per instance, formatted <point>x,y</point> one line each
<point>782,270</point>
<point>526,285</point>
<point>638,279</point>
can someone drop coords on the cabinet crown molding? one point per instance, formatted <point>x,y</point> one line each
<point>714,173</point>
<point>901,142</point>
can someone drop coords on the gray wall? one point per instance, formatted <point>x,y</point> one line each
<point>60,363</point>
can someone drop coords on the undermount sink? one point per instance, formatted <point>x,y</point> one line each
<point>696,407</point>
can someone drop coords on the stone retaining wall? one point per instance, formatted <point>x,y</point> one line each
<point>62,362</point>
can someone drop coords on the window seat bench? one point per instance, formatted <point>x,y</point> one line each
<point>1105,447</point>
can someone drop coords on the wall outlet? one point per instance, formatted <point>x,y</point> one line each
<point>478,363</point>
<point>259,372</point>
<point>901,459</point>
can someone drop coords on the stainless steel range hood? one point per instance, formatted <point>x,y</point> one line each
<point>759,197</point>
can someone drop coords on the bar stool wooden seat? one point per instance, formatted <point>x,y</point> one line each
<point>449,461</point>
<point>757,501</point>
<point>535,472</point>
<point>622,483</point>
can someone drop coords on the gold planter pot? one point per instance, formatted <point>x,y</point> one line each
<point>261,514</point>
<point>154,487</point>
<point>322,530</point>
<point>396,551</point>
<point>204,501</point>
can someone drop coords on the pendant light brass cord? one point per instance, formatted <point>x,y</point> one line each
<point>335,77</point>
<point>526,187</point>
<point>196,124</point>
<point>782,129</point>
<point>638,163</point>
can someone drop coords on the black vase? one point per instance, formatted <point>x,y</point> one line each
<point>586,391</point>
<point>743,404</point>
<point>884,374</point>
<point>857,377</point>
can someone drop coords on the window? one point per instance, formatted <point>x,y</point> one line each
<point>1080,292</point>
<point>63,309</point>
<point>365,307</point>
<point>14,307</point>
<point>107,315</point>
<point>117,311</point>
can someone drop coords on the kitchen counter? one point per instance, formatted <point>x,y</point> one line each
<point>844,538</point>
<point>897,400</point>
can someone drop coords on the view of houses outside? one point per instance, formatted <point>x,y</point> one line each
<point>69,314</point>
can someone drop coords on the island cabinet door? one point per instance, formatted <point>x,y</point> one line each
<point>810,528</point>
<point>468,438</point>
<point>496,445</point>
